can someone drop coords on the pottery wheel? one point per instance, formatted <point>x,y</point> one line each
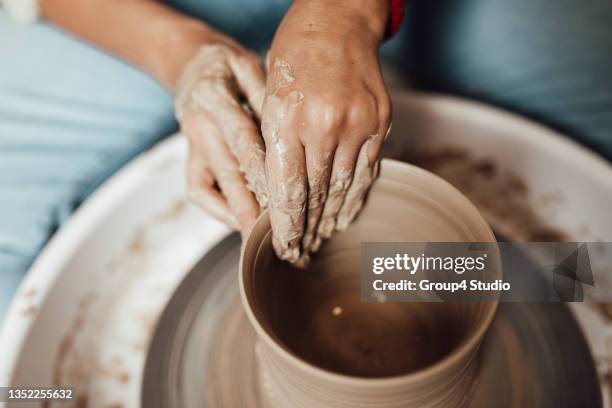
<point>203,350</point>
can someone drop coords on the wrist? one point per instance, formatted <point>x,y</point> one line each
<point>348,17</point>
<point>175,46</point>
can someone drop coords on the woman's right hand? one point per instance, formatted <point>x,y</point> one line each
<point>218,103</point>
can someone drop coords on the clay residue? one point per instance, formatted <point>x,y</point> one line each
<point>65,372</point>
<point>502,197</point>
<point>29,293</point>
<point>364,176</point>
<point>256,180</point>
<point>212,87</point>
<point>29,311</point>
<point>68,343</point>
<point>30,307</point>
<point>338,186</point>
<point>206,81</point>
<point>75,362</point>
<point>285,172</point>
<point>280,76</point>
<point>319,174</point>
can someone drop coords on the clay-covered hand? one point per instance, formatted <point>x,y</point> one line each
<point>324,118</point>
<point>218,102</point>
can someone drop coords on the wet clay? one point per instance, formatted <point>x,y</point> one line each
<point>502,197</point>
<point>314,317</point>
<point>285,171</point>
<point>209,105</point>
<point>365,173</point>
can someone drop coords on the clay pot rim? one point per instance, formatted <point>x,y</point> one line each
<point>464,349</point>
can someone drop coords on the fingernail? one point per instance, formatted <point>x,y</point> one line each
<point>316,245</point>
<point>285,252</point>
<point>343,223</point>
<point>302,261</point>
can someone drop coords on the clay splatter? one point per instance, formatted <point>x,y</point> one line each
<point>503,198</point>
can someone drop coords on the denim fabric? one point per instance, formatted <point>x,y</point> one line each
<point>550,60</point>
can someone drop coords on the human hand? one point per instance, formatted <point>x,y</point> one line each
<point>324,118</point>
<point>218,102</point>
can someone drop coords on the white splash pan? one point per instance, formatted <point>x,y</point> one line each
<point>112,266</point>
<point>101,282</point>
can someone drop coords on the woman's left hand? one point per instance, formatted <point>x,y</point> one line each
<point>325,116</point>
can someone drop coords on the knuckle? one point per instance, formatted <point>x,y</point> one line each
<point>202,87</point>
<point>316,198</point>
<point>339,186</point>
<point>361,110</point>
<point>328,115</point>
<point>296,199</point>
<point>290,200</point>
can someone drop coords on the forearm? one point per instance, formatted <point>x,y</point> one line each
<point>144,33</point>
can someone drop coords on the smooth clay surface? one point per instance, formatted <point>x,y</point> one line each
<point>320,345</point>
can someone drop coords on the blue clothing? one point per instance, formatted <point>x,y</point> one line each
<point>71,115</point>
<point>550,60</point>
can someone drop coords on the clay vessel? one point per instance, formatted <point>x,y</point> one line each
<point>319,345</point>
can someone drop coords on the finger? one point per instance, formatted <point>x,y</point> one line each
<point>319,167</point>
<point>247,145</point>
<point>251,79</point>
<point>231,181</point>
<point>201,190</point>
<point>224,168</point>
<point>287,185</point>
<point>341,178</point>
<point>362,180</point>
<point>366,171</point>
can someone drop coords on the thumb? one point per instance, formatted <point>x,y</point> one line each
<point>251,79</point>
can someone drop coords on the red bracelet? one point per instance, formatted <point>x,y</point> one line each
<point>396,16</point>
